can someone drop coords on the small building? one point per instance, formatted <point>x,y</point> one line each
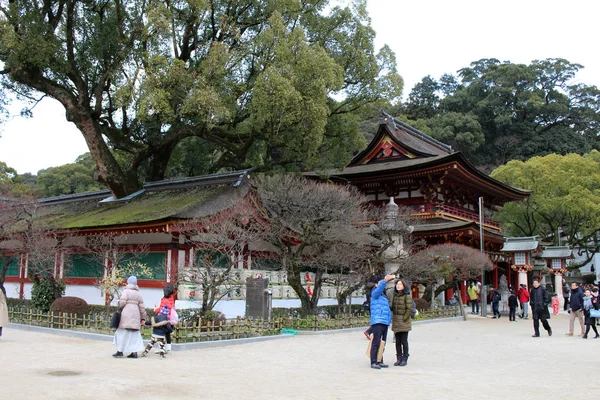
<point>556,258</point>
<point>521,253</point>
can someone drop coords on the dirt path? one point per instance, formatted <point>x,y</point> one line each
<point>477,359</point>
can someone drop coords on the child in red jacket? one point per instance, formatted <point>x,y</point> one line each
<point>555,304</point>
<point>168,301</point>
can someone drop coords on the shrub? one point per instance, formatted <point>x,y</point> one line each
<point>17,302</point>
<point>421,304</point>
<point>45,291</point>
<point>330,311</point>
<point>70,305</point>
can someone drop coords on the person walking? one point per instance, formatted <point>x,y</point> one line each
<point>566,295</point>
<point>576,308</point>
<point>524,301</point>
<point>3,311</point>
<point>401,324</point>
<point>590,302</point>
<point>495,297</point>
<point>472,292</point>
<point>168,301</point>
<point>128,337</point>
<point>160,328</point>
<point>539,308</point>
<point>381,316</point>
<point>513,303</point>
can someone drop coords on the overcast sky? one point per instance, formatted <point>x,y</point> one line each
<point>428,37</point>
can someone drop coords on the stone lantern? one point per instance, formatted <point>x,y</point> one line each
<point>394,229</point>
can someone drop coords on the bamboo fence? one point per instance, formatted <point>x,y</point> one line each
<point>201,330</point>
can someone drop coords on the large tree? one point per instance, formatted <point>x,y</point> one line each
<point>565,195</point>
<point>313,226</point>
<point>497,111</point>
<point>267,83</point>
<point>454,263</point>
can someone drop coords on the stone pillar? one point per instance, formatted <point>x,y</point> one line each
<point>391,267</point>
<point>558,287</point>
<point>523,278</point>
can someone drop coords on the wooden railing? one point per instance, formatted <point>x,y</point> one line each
<point>200,330</point>
<point>452,211</point>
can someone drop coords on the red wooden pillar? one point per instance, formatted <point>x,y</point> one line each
<point>172,273</point>
<point>496,276</point>
<point>463,292</point>
<point>22,275</point>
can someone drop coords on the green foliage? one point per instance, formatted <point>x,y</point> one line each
<point>565,194</point>
<point>497,111</point>
<point>68,179</point>
<point>45,291</point>
<point>271,84</point>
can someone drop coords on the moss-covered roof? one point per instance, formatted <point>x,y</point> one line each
<point>180,199</point>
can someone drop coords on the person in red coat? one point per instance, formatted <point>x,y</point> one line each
<point>167,301</point>
<point>524,295</point>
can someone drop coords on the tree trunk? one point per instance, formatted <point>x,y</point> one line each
<point>157,163</point>
<point>121,183</point>
<point>5,262</point>
<point>296,284</point>
<point>314,300</point>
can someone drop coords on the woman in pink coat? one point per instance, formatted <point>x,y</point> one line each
<point>128,337</point>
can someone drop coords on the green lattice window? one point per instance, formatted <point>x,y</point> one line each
<point>156,262</point>
<point>13,266</point>
<point>83,266</point>
<point>266,264</point>
<point>216,259</point>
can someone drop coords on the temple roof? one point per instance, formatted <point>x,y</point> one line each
<point>160,201</point>
<point>520,244</point>
<point>455,162</point>
<point>556,252</point>
<point>397,140</point>
<point>400,151</point>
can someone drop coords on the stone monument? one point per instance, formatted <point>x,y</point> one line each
<point>392,230</point>
<point>505,293</point>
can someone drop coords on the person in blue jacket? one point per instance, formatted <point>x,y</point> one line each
<point>381,318</point>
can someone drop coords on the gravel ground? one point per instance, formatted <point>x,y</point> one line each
<point>479,359</point>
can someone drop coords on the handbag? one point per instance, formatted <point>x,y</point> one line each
<point>115,319</point>
<point>594,313</point>
<point>173,317</point>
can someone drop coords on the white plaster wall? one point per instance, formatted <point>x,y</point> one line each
<point>12,290</point>
<point>27,290</point>
<point>91,294</point>
<point>235,308</point>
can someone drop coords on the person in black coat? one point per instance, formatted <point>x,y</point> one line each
<point>539,301</point>
<point>513,303</point>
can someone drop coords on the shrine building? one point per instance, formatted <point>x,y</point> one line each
<point>439,186</point>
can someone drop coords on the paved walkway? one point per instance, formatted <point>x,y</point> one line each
<point>477,359</point>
